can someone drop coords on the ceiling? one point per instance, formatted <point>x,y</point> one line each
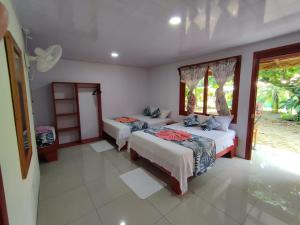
<point>139,31</point>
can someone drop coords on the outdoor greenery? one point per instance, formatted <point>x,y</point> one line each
<point>211,95</point>
<point>279,90</point>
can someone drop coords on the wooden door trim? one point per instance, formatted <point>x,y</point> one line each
<point>3,208</point>
<point>257,57</point>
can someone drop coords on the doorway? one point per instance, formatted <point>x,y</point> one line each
<point>274,107</point>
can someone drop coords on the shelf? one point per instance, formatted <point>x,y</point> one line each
<point>69,144</point>
<point>64,99</point>
<point>67,114</point>
<point>67,129</point>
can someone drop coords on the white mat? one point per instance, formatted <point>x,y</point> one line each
<point>102,146</point>
<point>142,183</point>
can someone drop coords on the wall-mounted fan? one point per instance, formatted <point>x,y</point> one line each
<point>46,59</point>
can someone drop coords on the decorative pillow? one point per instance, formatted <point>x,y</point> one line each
<point>156,113</point>
<point>191,121</point>
<point>164,113</point>
<point>203,118</point>
<point>153,108</point>
<point>210,124</point>
<point>224,122</point>
<point>147,111</point>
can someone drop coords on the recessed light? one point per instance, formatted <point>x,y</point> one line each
<point>114,54</point>
<point>122,223</point>
<point>175,20</point>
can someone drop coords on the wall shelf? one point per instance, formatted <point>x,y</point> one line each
<point>67,114</point>
<point>67,129</point>
<point>68,118</point>
<point>64,99</point>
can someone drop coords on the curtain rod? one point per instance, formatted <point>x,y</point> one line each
<point>238,57</point>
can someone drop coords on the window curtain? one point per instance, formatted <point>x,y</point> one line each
<point>191,77</point>
<point>222,71</point>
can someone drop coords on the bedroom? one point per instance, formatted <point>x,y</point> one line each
<point>118,58</point>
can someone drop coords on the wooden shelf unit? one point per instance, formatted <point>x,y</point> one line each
<point>67,113</point>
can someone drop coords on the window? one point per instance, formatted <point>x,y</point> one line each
<point>205,91</point>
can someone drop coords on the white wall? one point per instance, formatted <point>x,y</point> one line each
<point>124,89</point>
<point>21,195</point>
<point>164,81</point>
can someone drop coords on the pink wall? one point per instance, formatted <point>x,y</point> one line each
<point>124,89</point>
<point>164,81</point>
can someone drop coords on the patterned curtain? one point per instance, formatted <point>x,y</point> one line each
<point>222,71</point>
<point>191,77</point>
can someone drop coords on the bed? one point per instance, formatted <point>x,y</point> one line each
<point>177,160</point>
<point>121,132</point>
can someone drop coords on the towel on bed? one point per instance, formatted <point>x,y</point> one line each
<point>204,149</point>
<point>134,124</point>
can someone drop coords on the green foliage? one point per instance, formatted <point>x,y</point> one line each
<point>282,80</point>
<point>293,103</point>
<point>289,117</point>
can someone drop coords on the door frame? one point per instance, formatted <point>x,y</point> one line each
<point>257,57</point>
<point>3,208</point>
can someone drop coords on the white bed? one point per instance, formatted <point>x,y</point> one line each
<point>121,132</point>
<point>176,159</point>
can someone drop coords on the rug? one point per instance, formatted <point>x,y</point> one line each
<point>142,183</point>
<point>102,146</point>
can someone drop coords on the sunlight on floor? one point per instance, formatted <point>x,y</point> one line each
<point>287,161</point>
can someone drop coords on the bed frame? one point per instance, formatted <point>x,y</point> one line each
<point>172,181</point>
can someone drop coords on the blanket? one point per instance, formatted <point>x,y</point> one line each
<point>204,149</point>
<point>134,124</point>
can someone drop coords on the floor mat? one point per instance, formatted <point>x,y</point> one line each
<point>102,146</point>
<point>142,183</point>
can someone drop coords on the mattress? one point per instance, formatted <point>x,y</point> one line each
<point>121,132</point>
<point>176,158</point>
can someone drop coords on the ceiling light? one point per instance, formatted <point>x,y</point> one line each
<point>114,55</point>
<point>122,223</point>
<point>175,20</point>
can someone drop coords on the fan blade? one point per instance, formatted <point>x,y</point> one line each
<point>40,52</point>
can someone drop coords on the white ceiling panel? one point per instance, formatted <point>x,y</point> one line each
<point>139,31</point>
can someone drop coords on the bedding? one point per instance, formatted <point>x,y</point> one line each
<point>210,124</point>
<point>224,122</point>
<point>164,113</point>
<point>147,111</point>
<point>191,121</point>
<point>45,136</point>
<point>121,131</point>
<point>176,158</point>
<point>133,123</point>
<point>204,149</point>
<point>155,114</point>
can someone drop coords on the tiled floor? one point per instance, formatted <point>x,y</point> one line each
<point>84,188</point>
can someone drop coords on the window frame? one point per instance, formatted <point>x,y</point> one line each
<point>235,95</point>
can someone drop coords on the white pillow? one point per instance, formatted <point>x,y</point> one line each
<point>164,113</point>
<point>224,121</point>
<point>203,118</point>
